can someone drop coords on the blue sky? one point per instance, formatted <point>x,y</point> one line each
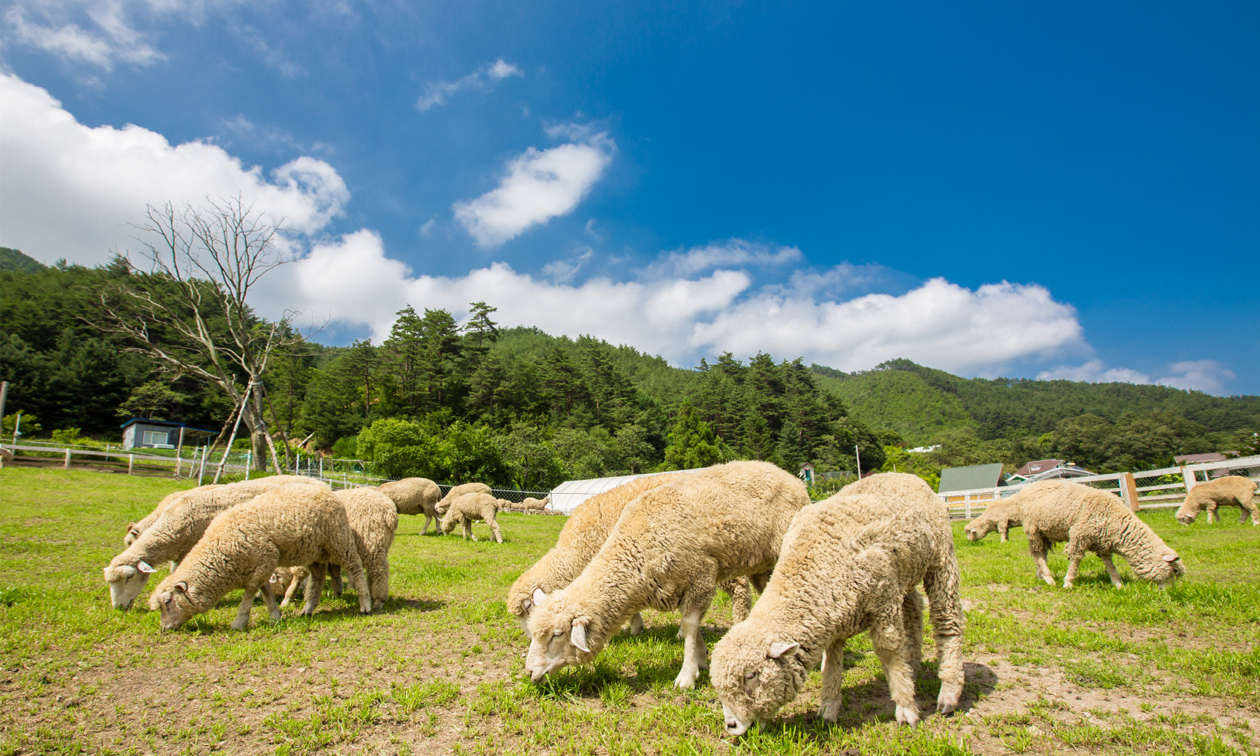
<point>1026,190</point>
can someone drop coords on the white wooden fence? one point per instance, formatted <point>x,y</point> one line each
<point>1166,487</point>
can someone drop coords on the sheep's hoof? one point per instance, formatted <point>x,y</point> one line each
<point>686,680</point>
<point>830,710</point>
<point>947,702</point>
<point>907,715</point>
<point>239,624</point>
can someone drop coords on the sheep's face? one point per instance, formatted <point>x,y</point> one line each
<point>557,638</point>
<point>1186,515</point>
<point>523,609</point>
<point>175,606</point>
<point>133,532</point>
<point>281,579</point>
<point>125,583</point>
<point>1166,571</point>
<point>754,677</point>
<point>447,524</point>
<point>977,529</point>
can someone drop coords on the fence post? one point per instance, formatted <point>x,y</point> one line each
<point>249,460</point>
<point>67,459</point>
<point>201,473</point>
<point>1128,486</point>
<point>1190,481</point>
<point>131,462</point>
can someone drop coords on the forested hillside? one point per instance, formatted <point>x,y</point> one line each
<point>518,407</point>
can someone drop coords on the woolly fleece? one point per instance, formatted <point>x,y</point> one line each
<point>1231,491</point>
<point>415,496</point>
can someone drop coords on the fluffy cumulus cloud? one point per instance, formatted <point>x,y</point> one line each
<point>438,92</point>
<point>67,190</point>
<point>686,317</point>
<point>1207,376</point>
<point>539,185</point>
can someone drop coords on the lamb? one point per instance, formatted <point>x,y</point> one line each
<point>135,529</point>
<point>373,520</point>
<point>1231,490</point>
<point>1092,520</point>
<point>458,491</point>
<point>669,550</point>
<point>288,526</point>
<point>472,506</point>
<point>587,529</point>
<point>177,530</point>
<point>1000,516</point>
<point>287,581</point>
<point>415,496</point>
<point>850,563</point>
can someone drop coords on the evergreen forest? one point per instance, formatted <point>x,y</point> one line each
<point>518,408</point>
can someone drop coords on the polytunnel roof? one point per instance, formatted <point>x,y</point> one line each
<point>568,495</point>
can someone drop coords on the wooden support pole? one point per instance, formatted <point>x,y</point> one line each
<point>67,459</point>
<point>131,463</point>
<point>1128,486</point>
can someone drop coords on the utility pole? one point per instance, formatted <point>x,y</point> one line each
<point>858,453</point>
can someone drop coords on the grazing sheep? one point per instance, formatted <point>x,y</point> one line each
<point>671,548</point>
<point>415,496</point>
<point>472,506</point>
<point>534,505</point>
<point>258,485</point>
<point>284,527</point>
<point>1231,490</point>
<point>458,491</point>
<point>1092,520</point>
<point>177,529</point>
<point>849,564</point>
<point>1000,516</point>
<point>373,520</point>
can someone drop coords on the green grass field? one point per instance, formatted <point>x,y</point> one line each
<point>441,669</point>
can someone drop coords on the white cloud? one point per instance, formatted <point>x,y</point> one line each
<point>563,271</point>
<point>539,186</point>
<point>731,253</point>
<point>97,32</point>
<point>67,190</point>
<point>684,318</point>
<point>436,93</point>
<point>1207,376</point>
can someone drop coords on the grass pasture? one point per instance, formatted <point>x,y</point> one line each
<point>441,670</point>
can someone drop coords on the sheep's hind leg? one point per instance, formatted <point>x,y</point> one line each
<point>1038,546</point>
<point>889,643</point>
<point>314,587</point>
<point>832,677</point>
<point>695,656</point>
<point>1111,570</point>
<point>270,597</point>
<point>912,623</point>
<point>948,623</point>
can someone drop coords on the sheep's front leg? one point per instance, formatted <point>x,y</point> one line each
<point>912,625</point>
<point>948,624</point>
<point>291,591</point>
<point>427,519</point>
<point>314,587</point>
<point>242,611</point>
<point>468,534</point>
<point>494,528</point>
<point>1002,528</point>
<point>636,624</point>
<point>1211,512</point>
<point>832,677</point>
<point>741,598</point>
<point>1111,570</point>
<point>695,655</point>
<point>1038,546</point>
<point>887,637</point>
<point>334,572</point>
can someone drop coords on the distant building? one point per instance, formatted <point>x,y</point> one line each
<point>158,434</point>
<point>970,477</point>
<point>1037,467</point>
<point>1194,459</point>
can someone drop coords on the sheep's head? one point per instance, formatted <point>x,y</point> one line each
<point>447,524</point>
<point>133,532</point>
<point>1186,514</point>
<point>523,608</point>
<point>558,637</point>
<point>755,676</point>
<point>1165,571</point>
<point>175,605</point>
<point>281,579</point>
<point>126,581</point>
<point>979,528</point>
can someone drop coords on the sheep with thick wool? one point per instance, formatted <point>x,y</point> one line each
<point>1231,490</point>
<point>456,492</point>
<point>243,546</point>
<point>1091,520</point>
<point>373,521</point>
<point>670,549</point>
<point>178,528</point>
<point>1000,516</point>
<point>849,564</point>
<point>580,538</point>
<point>135,529</point>
<point>472,506</point>
<point>415,496</point>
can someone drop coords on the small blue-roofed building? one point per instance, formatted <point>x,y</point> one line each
<point>139,433</point>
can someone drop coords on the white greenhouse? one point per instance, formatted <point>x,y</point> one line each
<point>568,495</point>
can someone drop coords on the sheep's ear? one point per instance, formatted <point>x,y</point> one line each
<point>539,597</point>
<point>578,636</point>
<point>779,649</point>
<point>527,605</point>
<point>1171,556</point>
<point>145,568</point>
<point>180,587</point>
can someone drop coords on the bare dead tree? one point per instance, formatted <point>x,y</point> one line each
<point>191,312</point>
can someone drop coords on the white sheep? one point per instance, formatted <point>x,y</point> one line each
<point>580,538</point>
<point>671,548</point>
<point>257,485</point>
<point>415,496</point>
<point>177,529</point>
<point>456,492</point>
<point>284,527</point>
<point>1231,490</point>
<point>373,520</point>
<point>1000,516</point>
<point>531,504</point>
<point>1091,520</point>
<point>849,564</point>
<point>472,506</point>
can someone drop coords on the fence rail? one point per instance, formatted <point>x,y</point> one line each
<point>1149,489</point>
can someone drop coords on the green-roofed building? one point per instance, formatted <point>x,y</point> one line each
<point>972,476</point>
